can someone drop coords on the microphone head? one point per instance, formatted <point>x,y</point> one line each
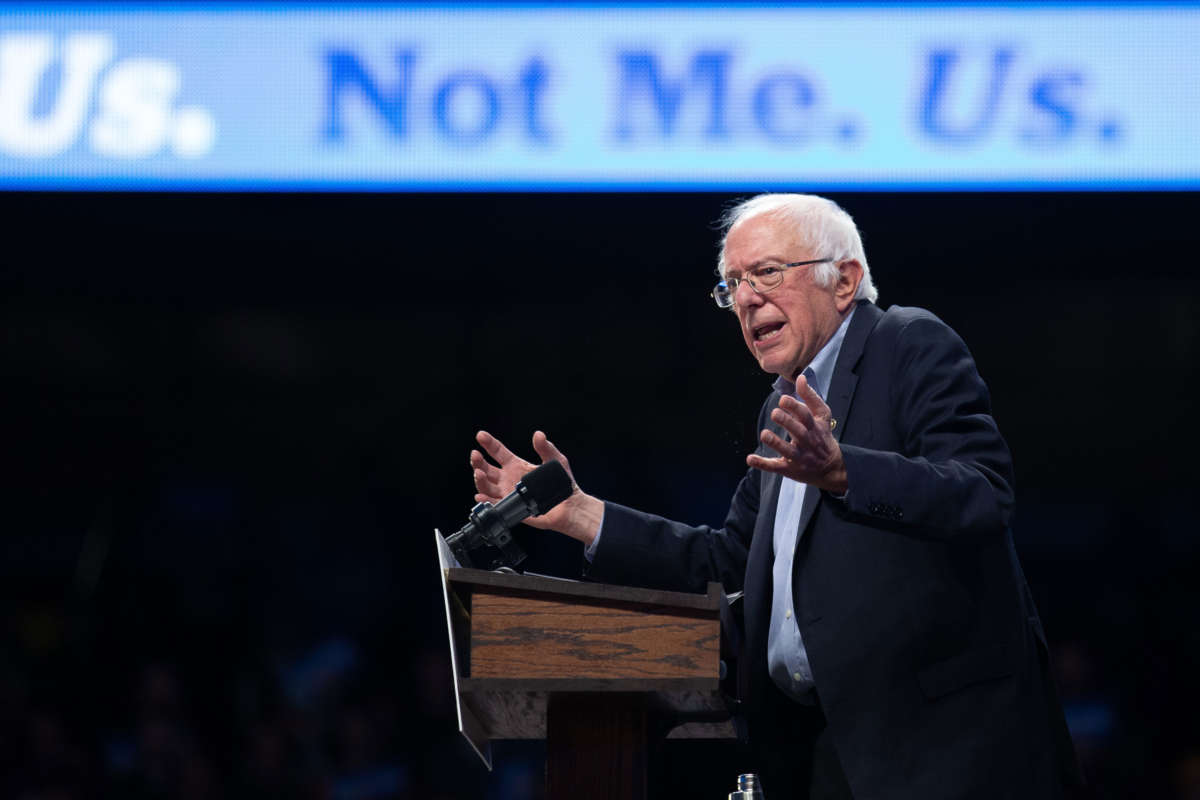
<point>547,486</point>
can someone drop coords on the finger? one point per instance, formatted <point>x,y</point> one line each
<point>796,427</point>
<point>487,477</point>
<point>813,400</point>
<point>797,409</point>
<point>786,449</point>
<point>485,484</point>
<point>545,448</point>
<point>479,462</point>
<point>494,447</point>
<point>766,464</point>
<point>547,451</point>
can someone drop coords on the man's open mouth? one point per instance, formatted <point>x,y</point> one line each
<point>766,331</point>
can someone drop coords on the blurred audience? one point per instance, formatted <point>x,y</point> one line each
<point>139,700</point>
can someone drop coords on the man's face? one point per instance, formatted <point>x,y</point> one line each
<point>786,327</point>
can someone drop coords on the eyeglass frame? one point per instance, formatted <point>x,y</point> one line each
<point>740,280</point>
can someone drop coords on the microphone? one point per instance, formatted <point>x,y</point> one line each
<point>539,491</point>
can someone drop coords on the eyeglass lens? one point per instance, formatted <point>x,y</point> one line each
<point>723,294</point>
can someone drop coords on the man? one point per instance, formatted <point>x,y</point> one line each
<point>892,648</point>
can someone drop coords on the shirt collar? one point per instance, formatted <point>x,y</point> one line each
<point>820,370</point>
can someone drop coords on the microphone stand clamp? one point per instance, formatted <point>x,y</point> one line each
<point>486,527</point>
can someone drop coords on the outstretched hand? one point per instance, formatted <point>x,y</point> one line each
<point>810,454</point>
<point>578,516</point>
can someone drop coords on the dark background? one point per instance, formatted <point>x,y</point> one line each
<point>231,423</point>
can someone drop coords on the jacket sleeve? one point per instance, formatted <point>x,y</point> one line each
<point>953,475</point>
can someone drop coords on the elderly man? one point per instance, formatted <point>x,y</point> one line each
<point>892,648</point>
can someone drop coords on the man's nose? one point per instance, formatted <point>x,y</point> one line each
<point>745,295</point>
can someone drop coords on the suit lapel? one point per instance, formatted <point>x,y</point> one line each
<point>842,385</point>
<point>764,529</point>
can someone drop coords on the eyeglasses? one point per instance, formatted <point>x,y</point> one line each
<point>761,279</point>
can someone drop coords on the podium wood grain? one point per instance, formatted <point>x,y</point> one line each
<point>527,637</point>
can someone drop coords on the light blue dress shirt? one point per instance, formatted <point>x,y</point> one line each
<point>787,659</point>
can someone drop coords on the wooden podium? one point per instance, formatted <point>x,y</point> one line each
<point>601,672</point>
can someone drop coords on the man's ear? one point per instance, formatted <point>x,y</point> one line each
<point>850,273</point>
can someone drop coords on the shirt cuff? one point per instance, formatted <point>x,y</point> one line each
<point>589,552</point>
<point>841,498</point>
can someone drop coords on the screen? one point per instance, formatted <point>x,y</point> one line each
<point>469,97</point>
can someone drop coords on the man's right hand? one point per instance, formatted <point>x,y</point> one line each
<point>578,516</point>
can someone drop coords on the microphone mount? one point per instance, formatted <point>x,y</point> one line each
<point>485,528</point>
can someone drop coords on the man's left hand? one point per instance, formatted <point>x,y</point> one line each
<point>810,454</point>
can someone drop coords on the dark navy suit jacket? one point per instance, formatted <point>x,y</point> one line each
<point>926,649</point>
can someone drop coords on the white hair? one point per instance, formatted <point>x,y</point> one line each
<point>825,227</point>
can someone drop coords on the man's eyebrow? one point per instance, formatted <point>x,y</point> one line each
<point>765,262</point>
<point>762,262</point>
<point>751,268</point>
